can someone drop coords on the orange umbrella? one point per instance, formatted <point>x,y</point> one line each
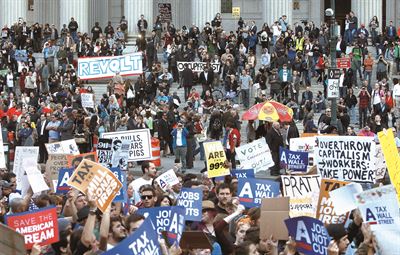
<point>274,111</point>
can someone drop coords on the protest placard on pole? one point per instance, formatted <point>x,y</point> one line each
<point>11,242</point>
<point>191,199</point>
<point>140,143</point>
<point>215,158</point>
<point>343,199</point>
<point>303,192</point>
<point>325,211</point>
<point>346,158</point>
<point>23,153</point>
<point>167,179</point>
<point>251,191</point>
<point>310,235</point>
<point>87,100</point>
<point>255,155</point>
<point>293,160</point>
<point>98,180</point>
<point>304,144</point>
<point>37,226</point>
<point>63,147</point>
<point>75,160</point>
<point>389,148</point>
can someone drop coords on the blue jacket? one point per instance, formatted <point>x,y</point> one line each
<point>185,133</point>
<point>289,75</point>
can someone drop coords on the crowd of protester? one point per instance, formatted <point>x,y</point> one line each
<point>41,104</point>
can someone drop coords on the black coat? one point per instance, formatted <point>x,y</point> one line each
<point>187,77</point>
<point>209,80</point>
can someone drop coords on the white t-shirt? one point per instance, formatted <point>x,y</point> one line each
<point>396,90</point>
<point>10,80</point>
<point>179,137</point>
<point>136,184</point>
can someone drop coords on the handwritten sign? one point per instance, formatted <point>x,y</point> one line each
<point>87,100</point>
<point>255,155</point>
<point>23,153</point>
<point>215,158</point>
<point>198,67</point>
<point>63,147</point>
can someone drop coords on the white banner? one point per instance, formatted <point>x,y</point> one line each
<point>63,147</point>
<point>198,67</point>
<point>106,67</point>
<point>23,153</point>
<point>87,100</point>
<point>140,139</point>
<point>255,155</point>
<point>346,158</point>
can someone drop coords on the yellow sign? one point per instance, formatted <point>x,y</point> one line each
<point>392,158</point>
<point>215,159</point>
<point>235,12</point>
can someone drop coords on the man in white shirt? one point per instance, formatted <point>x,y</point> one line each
<point>149,172</point>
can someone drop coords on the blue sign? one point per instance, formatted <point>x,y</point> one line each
<point>310,235</point>
<point>293,160</point>
<point>166,218</point>
<point>21,55</point>
<point>122,196</point>
<point>251,191</point>
<point>63,176</point>
<point>191,199</point>
<point>143,241</point>
<point>243,173</point>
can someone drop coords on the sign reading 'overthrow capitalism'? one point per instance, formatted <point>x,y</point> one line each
<point>106,67</point>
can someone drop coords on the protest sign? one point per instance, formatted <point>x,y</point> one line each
<point>389,148</point>
<point>251,191</point>
<point>106,67</point>
<point>166,218</point>
<point>304,144</point>
<point>35,176</point>
<point>198,67</point>
<point>142,242</point>
<point>23,153</point>
<point>11,242</point>
<point>63,177</point>
<point>325,211</point>
<point>293,160</point>
<point>21,55</point>
<point>243,173</point>
<point>346,158</point>
<point>202,241</point>
<point>75,160</point>
<point>96,179</point>
<point>383,214</point>
<point>104,151</point>
<point>215,158</point>
<point>53,165</point>
<point>255,155</point>
<point>165,12</point>
<point>380,163</point>
<point>2,156</point>
<point>343,199</point>
<point>310,235</point>
<point>274,212</point>
<point>302,190</point>
<point>37,226</point>
<point>87,100</point>
<point>167,179</point>
<point>191,199</point>
<point>63,147</point>
<point>387,241</point>
<point>140,143</point>
<point>122,195</point>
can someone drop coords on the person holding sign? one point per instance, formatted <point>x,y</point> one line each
<point>231,141</point>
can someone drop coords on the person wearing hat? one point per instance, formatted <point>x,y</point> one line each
<point>340,241</point>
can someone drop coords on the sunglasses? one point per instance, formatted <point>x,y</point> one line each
<point>146,197</point>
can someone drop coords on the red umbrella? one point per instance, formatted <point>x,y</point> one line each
<point>252,113</point>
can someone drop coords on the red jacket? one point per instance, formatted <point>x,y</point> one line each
<point>234,134</point>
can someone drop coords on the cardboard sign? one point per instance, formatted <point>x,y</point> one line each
<point>11,242</point>
<point>325,211</point>
<point>63,147</point>
<point>122,195</point>
<point>104,151</point>
<point>305,144</point>
<point>100,181</point>
<point>310,235</point>
<point>202,241</point>
<point>87,100</point>
<point>346,158</point>
<point>293,160</point>
<point>75,160</point>
<point>198,67</point>
<point>274,212</point>
<point>140,143</point>
<point>142,242</point>
<point>380,163</point>
<point>251,191</point>
<point>303,192</point>
<point>215,158</point>
<point>23,153</point>
<point>106,67</point>
<point>243,173</point>
<point>166,218</point>
<point>343,198</point>
<point>343,63</point>
<point>191,199</point>
<point>166,179</point>
<point>37,226</point>
<point>389,148</point>
<point>255,155</point>
<point>63,177</point>
<point>53,165</point>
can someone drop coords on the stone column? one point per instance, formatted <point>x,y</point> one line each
<point>79,10</point>
<point>366,9</point>
<point>203,11</point>
<point>391,10</point>
<point>47,11</point>
<point>98,11</point>
<point>274,9</point>
<point>316,12</point>
<point>132,11</point>
<point>12,10</point>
